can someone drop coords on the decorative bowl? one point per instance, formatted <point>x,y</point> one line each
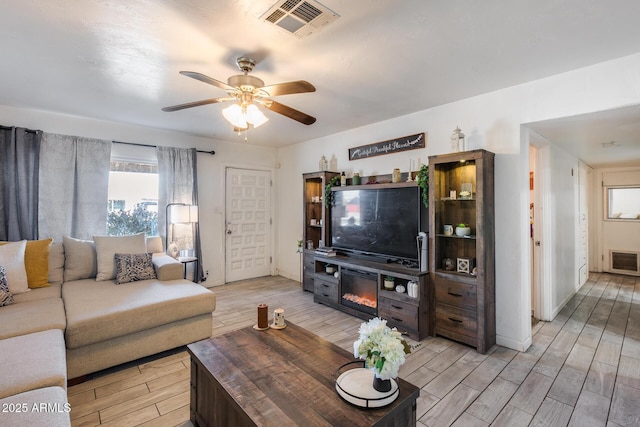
<point>463,231</point>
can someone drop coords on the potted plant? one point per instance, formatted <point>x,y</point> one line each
<point>383,349</point>
<point>462,230</point>
<point>389,282</point>
<point>422,178</point>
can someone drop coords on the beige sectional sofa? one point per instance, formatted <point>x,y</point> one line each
<point>76,327</point>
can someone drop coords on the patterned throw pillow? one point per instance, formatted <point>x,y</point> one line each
<point>133,267</point>
<point>5,295</point>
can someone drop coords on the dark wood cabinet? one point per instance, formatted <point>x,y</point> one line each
<point>410,315</point>
<point>461,191</point>
<point>316,222</point>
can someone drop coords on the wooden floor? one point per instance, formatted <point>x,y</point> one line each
<point>583,368</point>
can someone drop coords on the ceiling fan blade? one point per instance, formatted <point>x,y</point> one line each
<point>299,86</point>
<point>195,104</point>
<point>207,79</point>
<point>296,115</point>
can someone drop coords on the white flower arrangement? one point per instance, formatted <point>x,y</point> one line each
<point>382,348</point>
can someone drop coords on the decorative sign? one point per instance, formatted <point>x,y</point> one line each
<point>404,143</point>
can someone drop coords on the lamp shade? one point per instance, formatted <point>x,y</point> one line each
<point>183,214</point>
<point>255,116</point>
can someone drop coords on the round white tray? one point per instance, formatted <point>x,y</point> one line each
<point>356,387</point>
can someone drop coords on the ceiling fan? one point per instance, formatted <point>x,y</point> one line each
<point>248,91</point>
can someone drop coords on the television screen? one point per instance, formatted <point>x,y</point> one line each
<point>377,221</point>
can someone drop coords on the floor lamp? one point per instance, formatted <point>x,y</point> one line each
<point>178,213</point>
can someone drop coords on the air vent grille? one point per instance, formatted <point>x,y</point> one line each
<point>307,12</point>
<point>289,4</point>
<point>624,262</point>
<point>299,17</point>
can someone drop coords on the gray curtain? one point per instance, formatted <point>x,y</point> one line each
<point>74,182</point>
<point>19,157</point>
<point>178,183</point>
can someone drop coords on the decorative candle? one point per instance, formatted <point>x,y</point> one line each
<point>263,314</point>
<point>278,317</point>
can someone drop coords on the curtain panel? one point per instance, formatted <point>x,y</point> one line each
<point>177,180</point>
<point>19,162</point>
<point>74,183</point>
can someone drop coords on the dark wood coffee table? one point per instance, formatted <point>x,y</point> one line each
<point>280,378</point>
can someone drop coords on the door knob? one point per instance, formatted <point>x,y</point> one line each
<point>229,231</point>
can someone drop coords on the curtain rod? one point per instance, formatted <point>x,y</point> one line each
<point>155,146</point>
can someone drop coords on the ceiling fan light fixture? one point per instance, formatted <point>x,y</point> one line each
<point>235,116</point>
<point>255,116</point>
<point>241,117</point>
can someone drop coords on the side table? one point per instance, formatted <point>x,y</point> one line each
<point>185,260</point>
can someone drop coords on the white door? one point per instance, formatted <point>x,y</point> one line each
<point>582,243</point>
<point>248,224</point>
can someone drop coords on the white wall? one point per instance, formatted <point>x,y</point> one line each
<point>614,234</point>
<point>211,169</point>
<point>490,121</point>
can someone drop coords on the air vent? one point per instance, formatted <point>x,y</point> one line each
<point>624,262</point>
<point>299,17</point>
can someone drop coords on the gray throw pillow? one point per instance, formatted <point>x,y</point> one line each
<point>6,298</point>
<point>133,267</point>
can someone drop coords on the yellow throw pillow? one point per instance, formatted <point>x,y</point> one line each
<point>36,262</point>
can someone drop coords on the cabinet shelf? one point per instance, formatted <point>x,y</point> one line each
<point>464,303</point>
<point>445,236</point>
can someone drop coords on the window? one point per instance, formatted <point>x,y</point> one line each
<point>133,198</point>
<point>623,203</point>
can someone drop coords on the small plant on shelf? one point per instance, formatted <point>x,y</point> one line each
<point>389,282</point>
<point>328,194</point>
<point>422,178</point>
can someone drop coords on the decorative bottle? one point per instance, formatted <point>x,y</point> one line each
<point>343,179</point>
<point>396,176</point>
<point>323,163</point>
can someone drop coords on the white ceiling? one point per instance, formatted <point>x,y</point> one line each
<point>118,60</point>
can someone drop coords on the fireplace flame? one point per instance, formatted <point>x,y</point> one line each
<point>368,302</point>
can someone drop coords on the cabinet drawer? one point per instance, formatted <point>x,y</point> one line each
<point>457,294</point>
<point>326,290</point>
<point>398,314</point>
<point>453,319</point>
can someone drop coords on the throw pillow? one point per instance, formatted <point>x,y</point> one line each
<point>5,294</point>
<point>12,257</point>
<point>108,246</point>
<point>133,267</point>
<point>56,263</point>
<point>80,259</point>
<point>36,262</point>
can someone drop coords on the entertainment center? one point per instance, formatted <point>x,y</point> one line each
<point>375,268</point>
<point>372,230</point>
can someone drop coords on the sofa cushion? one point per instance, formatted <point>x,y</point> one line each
<point>154,244</point>
<point>53,291</point>
<point>133,267</point>
<point>35,360</point>
<point>167,268</point>
<point>6,298</point>
<point>108,246</point>
<point>36,262</point>
<point>45,407</point>
<point>98,311</point>
<point>80,259</point>
<point>56,263</point>
<point>12,258</point>
<point>28,317</point>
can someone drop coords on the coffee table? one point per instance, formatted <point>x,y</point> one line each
<point>280,378</point>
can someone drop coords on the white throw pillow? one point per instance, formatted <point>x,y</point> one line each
<point>12,258</point>
<point>108,246</point>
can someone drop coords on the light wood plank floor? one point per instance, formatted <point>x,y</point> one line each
<point>583,368</point>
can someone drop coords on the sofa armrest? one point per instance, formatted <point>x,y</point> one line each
<point>167,268</point>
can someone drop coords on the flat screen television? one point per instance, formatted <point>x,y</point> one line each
<point>382,222</point>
